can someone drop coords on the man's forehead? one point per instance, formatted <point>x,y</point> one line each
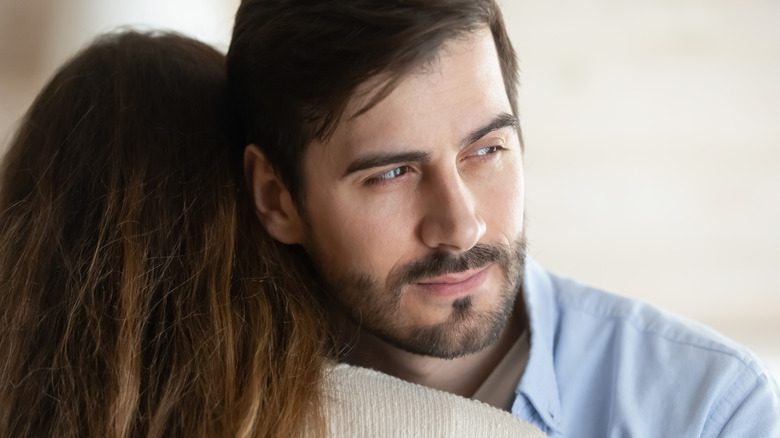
<point>459,90</point>
<point>373,90</point>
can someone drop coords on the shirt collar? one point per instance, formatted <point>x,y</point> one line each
<point>539,383</point>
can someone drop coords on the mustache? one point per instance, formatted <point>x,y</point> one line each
<point>442,263</point>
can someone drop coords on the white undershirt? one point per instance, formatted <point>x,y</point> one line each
<point>498,389</point>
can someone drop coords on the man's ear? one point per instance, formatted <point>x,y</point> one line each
<point>273,203</point>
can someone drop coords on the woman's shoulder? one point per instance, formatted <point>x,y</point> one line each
<point>363,402</point>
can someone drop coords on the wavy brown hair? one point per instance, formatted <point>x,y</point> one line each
<point>138,294</point>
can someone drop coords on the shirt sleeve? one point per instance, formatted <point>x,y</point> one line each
<point>750,409</point>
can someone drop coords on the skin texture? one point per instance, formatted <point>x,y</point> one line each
<point>413,213</point>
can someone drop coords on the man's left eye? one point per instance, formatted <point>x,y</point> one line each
<point>488,150</point>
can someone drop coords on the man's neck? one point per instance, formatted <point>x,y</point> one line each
<point>461,376</point>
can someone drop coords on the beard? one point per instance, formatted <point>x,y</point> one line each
<point>377,310</point>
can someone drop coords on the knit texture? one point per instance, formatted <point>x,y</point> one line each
<point>360,402</point>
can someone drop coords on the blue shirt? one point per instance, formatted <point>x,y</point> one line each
<point>606,366</point>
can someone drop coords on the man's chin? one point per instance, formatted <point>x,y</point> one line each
<point>464,332</point>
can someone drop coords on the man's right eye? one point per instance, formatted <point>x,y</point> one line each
<point>388,176</point>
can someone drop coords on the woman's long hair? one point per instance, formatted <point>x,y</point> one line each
<point>139,295</point>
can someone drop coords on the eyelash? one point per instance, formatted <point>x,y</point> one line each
<point>494,149</point>
<point>383,177</point>
<point>398,172</point>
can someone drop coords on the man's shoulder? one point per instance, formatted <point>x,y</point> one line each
<point>629,320</point>
<point>638,361</point>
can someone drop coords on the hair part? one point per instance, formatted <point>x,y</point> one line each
<point>293,66</point>
<point>139,295</point>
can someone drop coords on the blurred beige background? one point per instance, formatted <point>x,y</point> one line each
<point>653,153</point>
<point>651,129</point>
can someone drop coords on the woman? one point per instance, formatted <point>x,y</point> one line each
<point>138,295</point>
<point>119,246</point>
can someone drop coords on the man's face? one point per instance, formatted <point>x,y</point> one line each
<point>414,210</point>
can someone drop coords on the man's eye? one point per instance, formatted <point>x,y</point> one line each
<point>488,150</point>
<point>388,176</point>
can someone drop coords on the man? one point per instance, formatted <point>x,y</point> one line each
<point>383,140</point>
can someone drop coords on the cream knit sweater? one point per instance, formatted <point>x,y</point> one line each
<point>364,403</point>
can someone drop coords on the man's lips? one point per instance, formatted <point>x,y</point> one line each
<point>457,277</point>
<point>454,285</point>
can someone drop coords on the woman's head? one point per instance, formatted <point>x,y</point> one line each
<point>137,297</point>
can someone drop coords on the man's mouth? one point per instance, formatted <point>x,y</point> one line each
<point>454,285</point>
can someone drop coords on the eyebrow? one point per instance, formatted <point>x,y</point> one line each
<point>502,120</point>
<point>379,160</point>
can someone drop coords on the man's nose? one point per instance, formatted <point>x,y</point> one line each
<point>451,221</point>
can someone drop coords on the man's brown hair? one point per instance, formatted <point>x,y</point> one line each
<point>294,65</point>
